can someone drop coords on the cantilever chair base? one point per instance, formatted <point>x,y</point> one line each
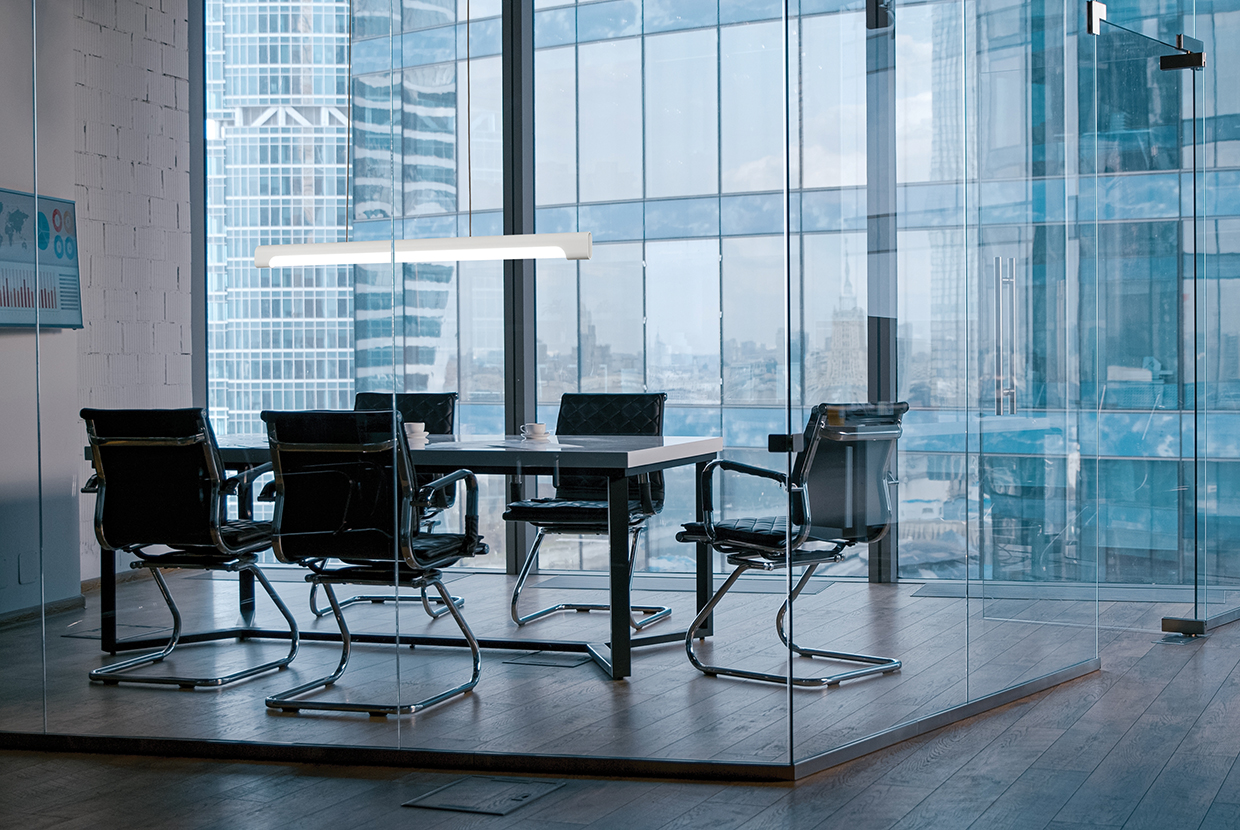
<point>379,599</point>
<point>291,700</point>
<point>654,613</point>
<point>749,561</point>
<point>116,672</point>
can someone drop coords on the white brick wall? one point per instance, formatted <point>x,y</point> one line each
<point>132,191</point>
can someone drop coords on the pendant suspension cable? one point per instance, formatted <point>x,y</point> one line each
<point>469,121</point>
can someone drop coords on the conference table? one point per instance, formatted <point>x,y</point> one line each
<point>618,458</point>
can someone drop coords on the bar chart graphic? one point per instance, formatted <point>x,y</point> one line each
<point>42,235</point>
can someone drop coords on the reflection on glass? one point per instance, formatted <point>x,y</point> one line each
<point>555,126</point>
<point>609,122</point>
<point>682,308</point>
<point>682,143</point>
<point>556,297</point>
<point>482,332</point>
<point>754,325</point>
<point>834,309</point>
<point>833,99</point>
<point>933,333</point>
<point>485,142</point>
<point>751,75</point>
<point>613,350</point>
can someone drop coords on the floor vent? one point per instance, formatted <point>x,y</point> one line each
<point>490,796</point>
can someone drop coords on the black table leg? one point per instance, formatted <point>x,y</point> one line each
<point>107,600</point>
<point>618,542</point>
<point>245,579</point>
<point>705,567</point>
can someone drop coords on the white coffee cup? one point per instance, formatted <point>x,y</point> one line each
<point>415,430</point>
<point>534,430</point>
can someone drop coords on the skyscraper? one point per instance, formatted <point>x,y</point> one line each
<point>277,160</point>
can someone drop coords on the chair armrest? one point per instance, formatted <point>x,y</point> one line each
<point>471,502</point>
<point>734,467</point>
<point>708,505</point>
<point>268,492</point>
<point>246,477</point>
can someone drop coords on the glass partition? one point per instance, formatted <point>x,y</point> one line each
<point>1152,395</point>
<point>22,559</point>
<point>981,210</point>
<point>1033,592</point>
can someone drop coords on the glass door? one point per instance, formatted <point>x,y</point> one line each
<point>1031,571</point>
<point>1149,378</point>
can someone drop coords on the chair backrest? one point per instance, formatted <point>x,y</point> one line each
<point>343,486</point>
<point>844,468</point>
<point>435,409</point>
<point>609,414</point>
<point>160,477</point>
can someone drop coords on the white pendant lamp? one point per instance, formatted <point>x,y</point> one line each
<point>444,249</point>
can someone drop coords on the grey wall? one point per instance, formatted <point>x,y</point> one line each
<point>19,528</point>
<point>113,136</point>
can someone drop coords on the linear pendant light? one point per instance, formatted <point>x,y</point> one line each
<point>447,249</point>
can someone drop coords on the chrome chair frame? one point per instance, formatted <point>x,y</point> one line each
<point>654,612</point>
<point>288,701</point>
<point>408,573</point>
<point>750,555</point>
<point>110,675</point>
<point>225,557</point>
<point>379,599</point>
<point>550,527</point>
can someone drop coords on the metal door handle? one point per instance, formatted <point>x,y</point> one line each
<point>1005,383</point>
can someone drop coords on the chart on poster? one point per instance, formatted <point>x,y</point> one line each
<point>44,236</point>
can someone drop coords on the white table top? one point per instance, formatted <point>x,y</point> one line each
<point>512,453</point>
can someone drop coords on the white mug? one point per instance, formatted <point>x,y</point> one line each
<point>533,430</point>
<point>415,430</point>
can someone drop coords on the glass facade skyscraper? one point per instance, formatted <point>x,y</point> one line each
<point>277,171</point>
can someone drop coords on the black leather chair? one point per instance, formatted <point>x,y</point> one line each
<point>580,502</point>
<point>438,411</point>
<point>159,482</point>
<point>345,492</point>
<point>840,488</point>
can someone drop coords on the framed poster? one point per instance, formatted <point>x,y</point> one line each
<point>48,237</point>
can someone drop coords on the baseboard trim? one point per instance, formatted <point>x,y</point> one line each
<point>127,575</point>
<point>59,606</point>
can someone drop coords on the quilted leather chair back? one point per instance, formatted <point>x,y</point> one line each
<point>844,466</point>
<point>609,414</point>
<point>435,409</point>
<point>334,476</point>
<point>159,474</point>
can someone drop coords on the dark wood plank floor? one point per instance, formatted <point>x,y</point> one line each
<point>1151,741</point>
<point>953,650</point>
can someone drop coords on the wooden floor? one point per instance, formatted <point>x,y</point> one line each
<point>1151,741</point>
<point>953,650</point>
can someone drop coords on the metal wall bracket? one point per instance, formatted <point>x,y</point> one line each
<point>785,443</point>
<point>1095,13</point>
<point>1193,57</point>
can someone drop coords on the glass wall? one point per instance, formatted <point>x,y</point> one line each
<point>979,223</point>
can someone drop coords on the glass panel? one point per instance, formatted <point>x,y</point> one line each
<point>1142,379</point>
<point>682,115</point>
<point>30,568</point>
<point>1033,605</point>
